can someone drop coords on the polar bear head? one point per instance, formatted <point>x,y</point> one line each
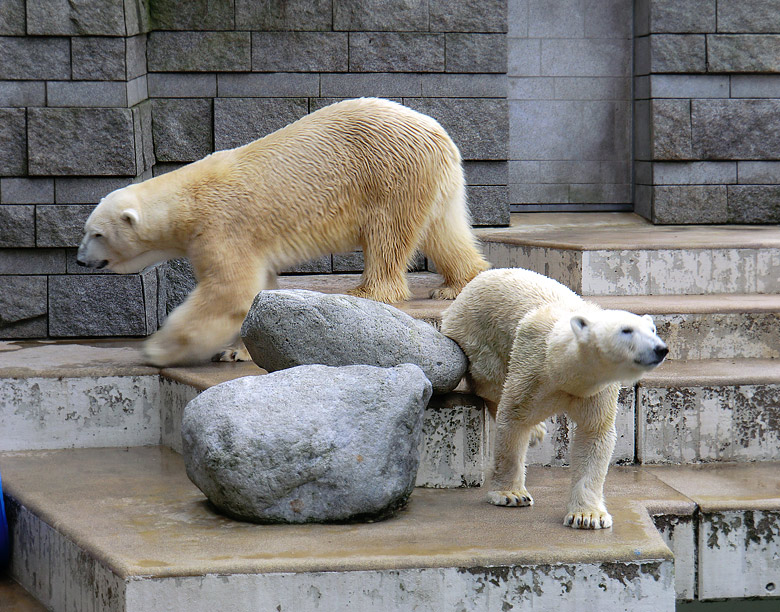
<point>622,344</point>
<point>123,234</point>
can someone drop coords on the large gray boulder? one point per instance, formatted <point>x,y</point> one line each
<point>308,444</point>
<point>286,328</point>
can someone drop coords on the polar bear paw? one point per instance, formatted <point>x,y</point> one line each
<point>445,293</point>
<point>538,432</point>
<point>588,519</point>
<point>515,497</point>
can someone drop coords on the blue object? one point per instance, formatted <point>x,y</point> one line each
<point>5,548</point>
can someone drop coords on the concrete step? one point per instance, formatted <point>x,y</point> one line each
<point>13,597</point>
<point>715,326</point>
<point>125,530</point>
<point>623,254</point>
<point>709,410</point>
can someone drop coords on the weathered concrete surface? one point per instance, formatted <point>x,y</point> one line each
<point>15,599</point>
<point>738,543</point>
<point>134,511</point>
<point>622,254</point>
<point>709,410</point>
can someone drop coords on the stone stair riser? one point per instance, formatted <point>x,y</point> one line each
<point>701,424</point>
<point>720,336</point>
<point>647,272</point>
<point>679,534</point>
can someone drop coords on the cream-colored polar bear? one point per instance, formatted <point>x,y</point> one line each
<point>364,172</point>
<point>536,349</point>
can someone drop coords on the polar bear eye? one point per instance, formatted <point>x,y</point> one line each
<point>97,236</point>
<point>627,331</point>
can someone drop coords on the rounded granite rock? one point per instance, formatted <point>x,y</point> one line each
<point>308,444</point>
<point>287,328</point>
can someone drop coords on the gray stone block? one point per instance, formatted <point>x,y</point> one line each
<point>478,126</point>
<point>531,193</point>
<point>135,56</point>
<point>137,91</point>
<point>384,85</point>
<point>12,18</point>
<point>26,191</point>
<point>194,15</point>
<point>595,57</point>
<point>284,15</point>
<point>321,265</point>
<point>182,128</point>
<point>199,51</point>
<point>87,94</point>
<point>300,51</point>
<point>276,85</point>
<point>486,173</point>
<point>463,86</point>
<point>564,172</point>
<point>674,17</point>
<point>381,15</point>
<point>753,16</point>
<point>695,173</point>
<point>671,130</point>
<point>690,204</point>
<point>18,226</point>
<point>678,53</point>
<point>689,86</point>
<point>28,58</point>
<point>23,307</point>
<point>468,16</point>
<point>150,289</point>
<point>96,305</point>
<point>754,204</point>
<point>76,17</point>
<point>286,328</point>
<point>165,167</point>
<point>754,86</point>
<point>643,201</point>
<point>546,130</point>
<point>175,281</point>
<point>81,141</point>
<point>352,456</point>
<point>531,88</point>
<point>642,87</point>
<point>524,171</point>
<point>137,17</point>
<point>22,93</point>
<point>478,53</point>
<point>238,121</point>
<point>86,190</point>
<point>489,204</point>
<point>181,85</point>
<point>556,19</point>
<point>60,226</point>
<point>606,133</point>
<point>98,58</point>
<point>396,52</point>
<point>758,173</point>
<point>594,193</point>
<point>591,88</point>
<point>145,157</point>
<point>743,53</point>
<point>735,129</point>
<point>608,19</point>
<point>32,261</point>
<point>643,172</point>
<point>348,262</point>
<point>524,57</point>
<point>643,124</point>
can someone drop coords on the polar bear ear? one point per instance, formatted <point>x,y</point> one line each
<point>131,216</point>
<point>581,327</point>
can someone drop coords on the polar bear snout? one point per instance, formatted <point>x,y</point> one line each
<point>653,357</point>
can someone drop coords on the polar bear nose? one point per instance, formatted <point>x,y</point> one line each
<point>661,351</point>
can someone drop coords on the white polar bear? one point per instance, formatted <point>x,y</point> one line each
<point>364,172</point>
<point>536,349</point>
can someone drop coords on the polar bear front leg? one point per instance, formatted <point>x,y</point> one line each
<point>507,483</point>
<point>590,455</point>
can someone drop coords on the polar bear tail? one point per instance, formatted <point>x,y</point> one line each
<point>449,240</point>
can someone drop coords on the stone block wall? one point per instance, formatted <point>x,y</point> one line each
<point>570,104</point>
<point>707,98</point>
<point>95,94</point>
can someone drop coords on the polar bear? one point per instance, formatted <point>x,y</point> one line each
<point>536,349</point>
<point>365,172</point>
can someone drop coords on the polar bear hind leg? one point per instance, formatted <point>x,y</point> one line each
<point>450,243</point>
<point>507,482</point>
